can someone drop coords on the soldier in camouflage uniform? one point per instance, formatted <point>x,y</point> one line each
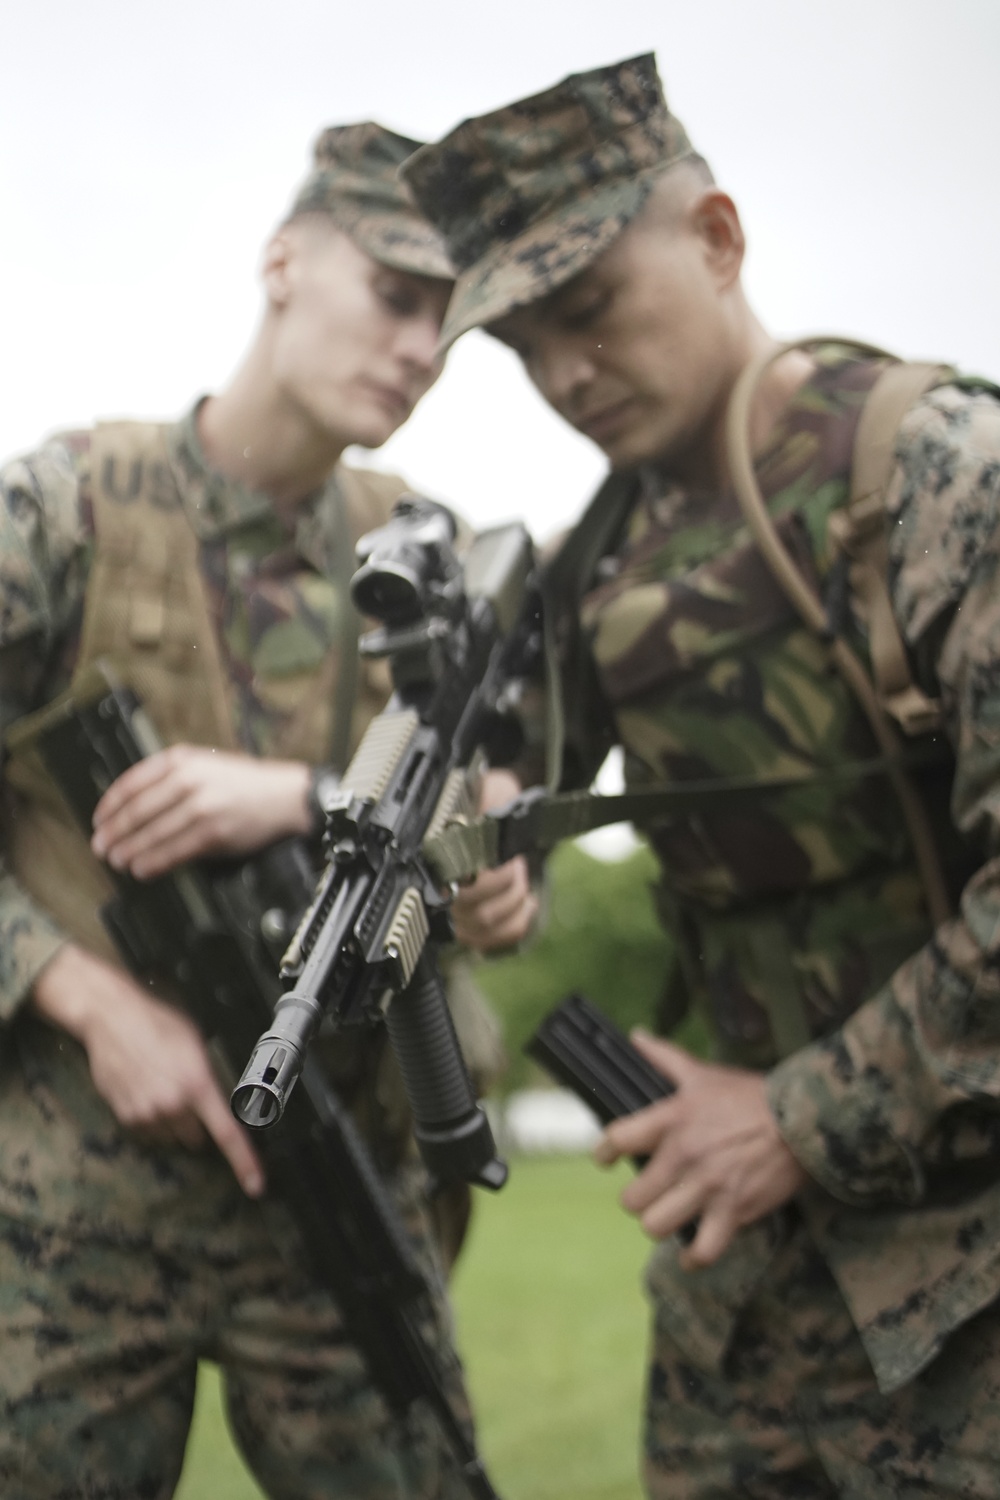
<point>829,1323</point>
<point>209,560</point>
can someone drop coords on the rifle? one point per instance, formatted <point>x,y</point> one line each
<point>457,640</point>
<point>215,931</point>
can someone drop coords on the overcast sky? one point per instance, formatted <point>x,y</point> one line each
<point>147,149</point>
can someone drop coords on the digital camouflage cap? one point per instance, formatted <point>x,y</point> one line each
<point>355,179</point>
<point>526,196</point>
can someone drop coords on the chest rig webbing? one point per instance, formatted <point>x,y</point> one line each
<point>887,693</point>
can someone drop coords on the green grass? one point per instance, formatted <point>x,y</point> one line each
<point>552,1327</point>
<point>213,1467</point>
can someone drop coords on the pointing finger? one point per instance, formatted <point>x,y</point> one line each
<point>233,1141</point>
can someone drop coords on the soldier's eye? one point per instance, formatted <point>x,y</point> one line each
<point>397,294</point>
<point>584,311</point>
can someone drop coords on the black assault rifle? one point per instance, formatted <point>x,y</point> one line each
<point>215,931</point>
<point>457,637</point>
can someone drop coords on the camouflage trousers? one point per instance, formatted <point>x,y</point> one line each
<point>795,1411</point>
<point>99,1344</point>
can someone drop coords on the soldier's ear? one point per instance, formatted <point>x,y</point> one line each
<point>275,271</point>
<point>715,219</point>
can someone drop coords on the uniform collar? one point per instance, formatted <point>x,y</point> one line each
<point>809,403</point>
<point>218,505</point>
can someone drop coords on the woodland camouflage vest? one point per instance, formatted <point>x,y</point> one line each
<point>795,897</point>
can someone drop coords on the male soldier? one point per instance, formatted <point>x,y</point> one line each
<point>209,560</point>
<point>831,1327</point>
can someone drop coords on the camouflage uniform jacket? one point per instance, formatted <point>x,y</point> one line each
<point>276,609</point>
<point>800,926</point>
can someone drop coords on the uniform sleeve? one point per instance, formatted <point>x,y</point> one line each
<point>40,589</point>
<point>912,1080</point>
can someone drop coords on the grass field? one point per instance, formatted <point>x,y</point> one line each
<point>552,1326</point>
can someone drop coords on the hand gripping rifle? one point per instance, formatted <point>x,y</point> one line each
<point>456,638</point>
<point>215,930</point>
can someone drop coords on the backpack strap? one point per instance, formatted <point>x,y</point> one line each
<point>807,602</point>
<point>861,532</point>
<point>562,582</point>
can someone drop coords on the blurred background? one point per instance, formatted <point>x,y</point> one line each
<point>147,150</point>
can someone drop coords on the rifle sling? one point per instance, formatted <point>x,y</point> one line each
<point>537,821</point>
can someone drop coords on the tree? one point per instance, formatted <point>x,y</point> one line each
<point>600,935</point>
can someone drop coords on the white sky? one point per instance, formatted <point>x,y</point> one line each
<point>146,151</point>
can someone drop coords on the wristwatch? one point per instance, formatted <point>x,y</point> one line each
<point>324,783</point>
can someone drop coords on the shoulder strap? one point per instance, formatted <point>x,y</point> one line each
<point>562,583</point>
<point>810,607</point>
<point>861,531</point>
<point>890,398</point>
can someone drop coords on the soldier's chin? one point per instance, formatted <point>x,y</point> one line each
<point>647,442</point>
<point>627,449</point>
<point>371,431</point>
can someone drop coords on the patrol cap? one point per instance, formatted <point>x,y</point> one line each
<point>355,179</point>
<point>526,196</point>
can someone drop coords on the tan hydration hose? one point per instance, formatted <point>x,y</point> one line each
<point>812,611</point>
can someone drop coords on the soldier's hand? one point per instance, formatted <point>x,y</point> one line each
<point>188,801</point>
<point>716,1154</point>
<point>147,1059</point>
<point>498,908</point>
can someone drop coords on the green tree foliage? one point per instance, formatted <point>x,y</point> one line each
<point>601,936</point>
